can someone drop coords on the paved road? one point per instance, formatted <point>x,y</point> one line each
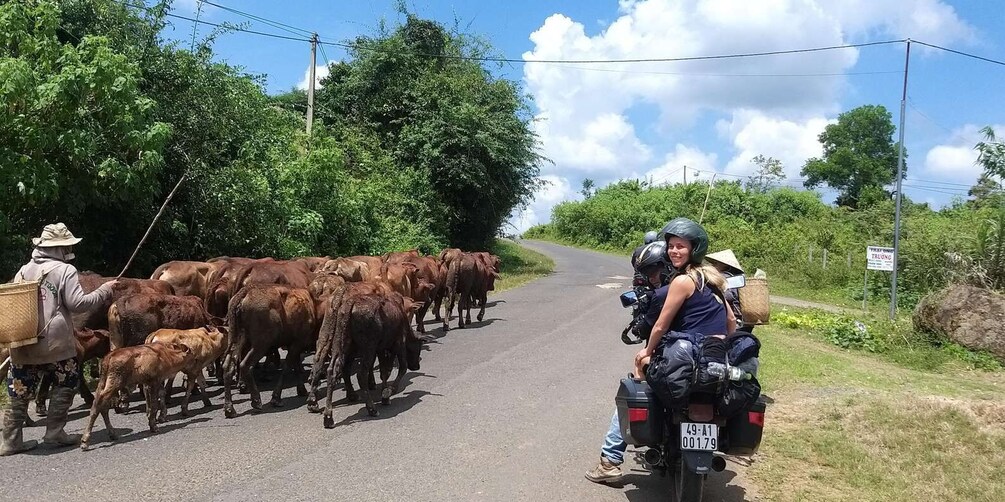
<point>513,408</point>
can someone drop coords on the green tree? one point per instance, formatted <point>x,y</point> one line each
<point>986,191</point>
<point>445,116</point>
<point>589,187</point>
<point>858,153</point>
<point>991,153</point>
<point>769,172</point>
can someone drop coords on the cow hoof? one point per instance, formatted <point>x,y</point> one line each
<point>184,413</point>
<point>229,412</point>
<point>373,412</point>
<point>276,403</point>
<point>480,317</point>
<point>256,404</point>
<point>84,446</point>
<point>154,430</point>
<point>88,403</point>
<point>40,410</point>
<point>385,401</point>
<point>329,422</point>
<point>161,419</point>
<point>113,435</point>
<point>313,407</point>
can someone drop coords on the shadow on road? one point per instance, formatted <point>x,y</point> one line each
<point>399,403</point>
<point>647,486</point>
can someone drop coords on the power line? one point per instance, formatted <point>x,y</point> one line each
<point>275,24</point>
<point>930,120</point>
<point>224,26</point>
<point>961,53</point>
<point>687,74</point>
<point>634,60</point>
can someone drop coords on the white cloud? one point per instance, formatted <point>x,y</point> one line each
<point>192,6</point>
<point>320,72</point>
<point>698,164</point>
<point>956,159</point>
<point>792,142</point>
<point>556,189</point>
<point>588,113</point>
<point>931,21</point>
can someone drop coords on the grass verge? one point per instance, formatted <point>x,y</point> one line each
<point>846,425</point>
<point>519,265</point>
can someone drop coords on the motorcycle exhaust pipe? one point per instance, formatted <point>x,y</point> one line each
<point>652,456</point>
<point>718,464</point>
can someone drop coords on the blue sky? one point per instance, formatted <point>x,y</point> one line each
<point>649,120</point>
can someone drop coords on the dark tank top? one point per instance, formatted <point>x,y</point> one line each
<point>701,313</point>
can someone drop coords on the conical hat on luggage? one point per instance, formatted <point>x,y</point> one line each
<point>725,257</point>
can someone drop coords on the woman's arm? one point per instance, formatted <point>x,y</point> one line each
<point>680,289</point>
<point>730,319</point>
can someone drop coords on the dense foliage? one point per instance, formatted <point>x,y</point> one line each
<point>785,231</point>
<point>100,117</point>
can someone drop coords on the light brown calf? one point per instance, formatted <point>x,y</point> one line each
<point>206,346</point>
<point>144,365</point>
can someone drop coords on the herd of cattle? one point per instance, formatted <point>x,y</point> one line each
<point>226,314</point>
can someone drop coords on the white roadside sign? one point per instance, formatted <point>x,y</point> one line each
<point>879,258</point>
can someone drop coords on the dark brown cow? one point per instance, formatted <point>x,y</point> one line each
<point>132,318</point>
<point>294,274</point>
<point>372,327</point>
<point>221,282</point>
<point>144,365</point>
<point>262,318</point>
<point>467,279</point>
<point>189,278</point>
<point>98,318</point>
<point>91,344</point>
<point>326,332</point>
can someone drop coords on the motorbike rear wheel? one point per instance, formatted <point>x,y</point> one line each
<point>688,486</point>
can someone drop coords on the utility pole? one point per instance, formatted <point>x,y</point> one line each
<point>310,84</point>
<point>900,176</point>
<point>685,175</point>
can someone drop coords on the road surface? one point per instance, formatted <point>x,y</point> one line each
<point>512,408</point>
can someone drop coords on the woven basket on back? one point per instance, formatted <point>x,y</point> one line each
<point>18,314</point>
<point>755,302</point>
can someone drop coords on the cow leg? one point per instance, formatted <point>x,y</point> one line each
<point>100,406</point>
<point>203,391</point>
<point>462,305</point>
<point>323,348</point>
<point>247,364</point>
<point>329,422</point>
<point>437,301</point>
<point>151,393</point>
<point>85,392</point>
<point>420,317</point>
<point>402,368</point>
<point>290,363</point>
<point>42,394</point>
<point>467,308</point>
<point>481,313</point>
<point>298,373</point>
<point>363,373</point>
<point>228,375</point>
<point>350,362</point>
<point>161,400</point>
<point>386,364</point>
<point>446,313</point>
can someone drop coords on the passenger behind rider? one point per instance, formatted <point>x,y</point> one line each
<point>693,304</point>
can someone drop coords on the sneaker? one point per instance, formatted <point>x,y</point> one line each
<point>605,472</point>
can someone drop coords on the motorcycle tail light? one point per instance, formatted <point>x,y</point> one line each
<point>756,418</point>
<point>638,414</point>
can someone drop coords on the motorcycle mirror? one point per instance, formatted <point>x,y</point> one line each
<point>736,281</point>
<point>629,298</point>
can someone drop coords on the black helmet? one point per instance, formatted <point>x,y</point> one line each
<point>654,253</point>
<point>688,230</point>
<point>651,236</point>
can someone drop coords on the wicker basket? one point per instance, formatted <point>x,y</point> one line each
<point>19,314</point>
<point>755,302</point>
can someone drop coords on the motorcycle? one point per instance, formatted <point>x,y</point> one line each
<point>692,440</point>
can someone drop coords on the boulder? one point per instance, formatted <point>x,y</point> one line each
<point>970,316</point>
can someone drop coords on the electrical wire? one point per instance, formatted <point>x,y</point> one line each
<point>275,24</point>
<point>961,53</point>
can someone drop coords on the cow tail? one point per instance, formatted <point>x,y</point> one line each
<point>326,333</point>
<point>340,340</point>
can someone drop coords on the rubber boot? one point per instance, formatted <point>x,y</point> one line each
<point>59,405</point>
<point>13,423</point>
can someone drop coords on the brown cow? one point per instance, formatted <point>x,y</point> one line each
<point>294,274</point>
<point>187,277</point>
<point>221,282</point>
<point>98,318</point>
<point>467,278</point>
<point>398,257</point>
<point>206,345</point>
<point>132,318</point>
<point>373,263</point>
<point>372,327</point>
<point>326,331</point>
<point>313,263</point>
<point>427,271</point>
<point>263,318</point>
<point>348,269</point>
<point>91,344</point>
<point>144,365</point>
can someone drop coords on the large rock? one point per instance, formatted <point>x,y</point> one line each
<point>972,317</point>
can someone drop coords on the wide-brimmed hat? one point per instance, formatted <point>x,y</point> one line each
<point>726,257</point>
<point>55,235</point>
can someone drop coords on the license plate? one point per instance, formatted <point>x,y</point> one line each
<point>704,437</point>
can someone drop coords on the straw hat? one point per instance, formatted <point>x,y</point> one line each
<point>55,235</point>
<point>726,257</point>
